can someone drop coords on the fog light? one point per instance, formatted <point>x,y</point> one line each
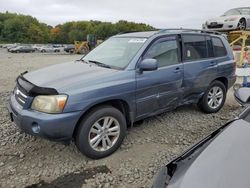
<point>35,128</point>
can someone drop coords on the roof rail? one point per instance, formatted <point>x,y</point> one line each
<point>185,29</point>
<point>124,32</point>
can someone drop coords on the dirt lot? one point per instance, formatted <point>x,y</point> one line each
<point>26,161</point>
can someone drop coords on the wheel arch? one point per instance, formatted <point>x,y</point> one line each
<point>243,18</point>
<point>119,104</point>
<point>224,80</point>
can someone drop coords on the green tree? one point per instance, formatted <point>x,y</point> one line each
<point>26,29</point>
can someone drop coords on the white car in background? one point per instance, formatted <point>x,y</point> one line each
<point>234,19</point>
<point>49,49</point>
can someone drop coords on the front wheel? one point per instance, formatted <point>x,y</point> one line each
<point>101,132</point>
<point>214,97</point>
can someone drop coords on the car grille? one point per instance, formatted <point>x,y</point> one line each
<point>214,26</point>
<point>20,96</point>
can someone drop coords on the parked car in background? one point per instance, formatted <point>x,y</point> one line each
<point>127,78</point>
<point>221,160</point>
<point>10,46</point>
<point>19,49</point>
<point>234,19</point>
<point>4,45</point>
<point>57,45</point>
<point>37,46</point>
<point>69,48</point>
<point>49,49</point>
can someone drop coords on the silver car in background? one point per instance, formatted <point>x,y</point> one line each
<point>49,49</point>
<point>234,19</point>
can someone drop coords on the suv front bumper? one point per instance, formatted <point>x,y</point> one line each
<point>57,127</point>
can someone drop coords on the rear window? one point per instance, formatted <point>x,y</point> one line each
<point>219,48</point>
<point>195,47</point>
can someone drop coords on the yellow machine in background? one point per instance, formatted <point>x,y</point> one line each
<point>239,38</point>
<point>81,47</point>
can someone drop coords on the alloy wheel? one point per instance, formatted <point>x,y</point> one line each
<point>242,25</point>
<point>215,97</point>
<point>104,133</point>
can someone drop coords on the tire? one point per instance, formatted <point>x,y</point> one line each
<point>242,25</point>
<point>85,134</point>
<point>215,92</point>
<point>43,51</point>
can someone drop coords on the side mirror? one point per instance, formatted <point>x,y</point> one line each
<point>148,65</point>
<point>242,95</point>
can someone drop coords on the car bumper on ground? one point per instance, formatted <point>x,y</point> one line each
<point>57,127</point>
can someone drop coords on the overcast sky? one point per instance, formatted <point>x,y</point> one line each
<point>158,13</point>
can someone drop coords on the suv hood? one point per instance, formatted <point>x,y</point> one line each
<point>224,163</point>
<point>65,75</point>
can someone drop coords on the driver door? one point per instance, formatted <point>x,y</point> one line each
<point>161,89</point>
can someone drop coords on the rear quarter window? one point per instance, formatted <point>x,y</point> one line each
<point>219,48</point>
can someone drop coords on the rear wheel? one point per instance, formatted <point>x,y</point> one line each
<point>214,97</point>
<point>242,24</point>
<point>101,132</point>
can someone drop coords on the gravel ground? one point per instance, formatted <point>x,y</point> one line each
<point>26,161</point>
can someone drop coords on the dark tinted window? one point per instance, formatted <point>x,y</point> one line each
<point>165,51</point>
<point>195,47</point>
<point>219,49</point>
<point>210,47</point>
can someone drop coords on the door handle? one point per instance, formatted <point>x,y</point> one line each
<point>177,69</point>
<point>212,63</point>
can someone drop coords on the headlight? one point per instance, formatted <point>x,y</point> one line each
<point>49,103</point>
<point>230,19</point>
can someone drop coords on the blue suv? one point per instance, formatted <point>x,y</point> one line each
<point>127,78</point>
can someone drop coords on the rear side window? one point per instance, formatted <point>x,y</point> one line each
<point>219,48</point>
<point>195,47</point>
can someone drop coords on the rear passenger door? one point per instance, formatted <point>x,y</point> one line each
<point>200,68</point>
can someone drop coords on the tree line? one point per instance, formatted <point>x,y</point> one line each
<point>27,29</point>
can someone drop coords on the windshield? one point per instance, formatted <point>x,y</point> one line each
<point>116,52</point>
<point>242,11</point>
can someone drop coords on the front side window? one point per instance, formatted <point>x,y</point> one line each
<point>195,47</point>
<point>219,49</point>
<point>116,52</point>
<point>165,51</point>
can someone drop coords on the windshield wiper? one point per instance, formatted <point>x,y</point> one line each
<point>82,60</point>
<point>100,64</point>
